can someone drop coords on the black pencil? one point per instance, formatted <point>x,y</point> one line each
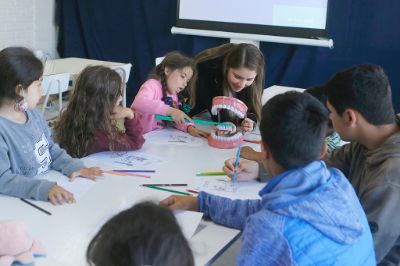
<point>35,206</point>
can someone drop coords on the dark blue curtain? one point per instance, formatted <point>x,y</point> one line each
<point>138,31</point>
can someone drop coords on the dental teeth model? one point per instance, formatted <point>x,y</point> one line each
<point>226,137</point>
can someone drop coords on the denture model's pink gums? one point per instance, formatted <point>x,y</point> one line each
<point>232,104</point>
<point>235,106</point>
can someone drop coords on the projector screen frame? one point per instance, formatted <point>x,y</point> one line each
<point>255,33</point>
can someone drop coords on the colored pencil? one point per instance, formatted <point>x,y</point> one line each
<point>210,174</point>
<point>124,174</point>
<point>253,141</point>
<point>192,191</point>
<point>169,190</point>
<point>35,206</point>
<point>134,171</point>
<point>164,185</point>
<point>196,121</point>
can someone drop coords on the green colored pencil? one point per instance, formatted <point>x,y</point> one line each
<point>169,190</point>
<point>211,174</point>
<point>196,121</point>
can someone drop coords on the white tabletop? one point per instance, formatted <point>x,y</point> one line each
<point>67,232</point>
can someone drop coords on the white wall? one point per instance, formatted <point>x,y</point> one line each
<point>28,23</point>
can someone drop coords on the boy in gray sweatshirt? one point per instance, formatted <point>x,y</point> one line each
<point>360,102</point>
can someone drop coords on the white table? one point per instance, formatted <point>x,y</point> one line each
<point>67,232</point>
<point>75,65</point>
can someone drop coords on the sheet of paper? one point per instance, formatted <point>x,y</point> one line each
<point>224,187</point>
<point>172,136</point>
<point>131,158</point>
<point>79,187</point>
<point>188,221</point>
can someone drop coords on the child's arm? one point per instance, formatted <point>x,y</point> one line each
<point>260,235</point>
<point>232,213</point>
<point>17,185</point>
<point>249,153</point>
<point>192,130</point>
<point>148,101</point>
<point>340,158</point>
<point>134,133</point>
<point>132,139</point>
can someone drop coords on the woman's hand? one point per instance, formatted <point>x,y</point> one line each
<point>247,125</point>
<point>178,116</point>
<point>90,173</point>
<point>59,196</point>
<point>192,130</point>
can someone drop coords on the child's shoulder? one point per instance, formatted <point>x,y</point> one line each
<point>152,83</point>
<point>35,113</point>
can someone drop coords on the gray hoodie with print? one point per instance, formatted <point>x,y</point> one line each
<point>27,150</point>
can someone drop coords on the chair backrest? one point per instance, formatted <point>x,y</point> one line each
<point>55,84</point>
<point>159,60</point>
<point>123,71</point>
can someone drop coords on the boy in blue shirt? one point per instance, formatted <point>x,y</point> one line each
<point>308,213</point>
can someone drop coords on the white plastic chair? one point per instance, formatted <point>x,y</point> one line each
<point>54,84</point>
<point>159,60</point>
<point>124,71</point>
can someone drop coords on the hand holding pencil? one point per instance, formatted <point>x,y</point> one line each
<point>246,169</point>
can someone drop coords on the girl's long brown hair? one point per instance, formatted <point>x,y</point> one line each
<point>250,57</point>
<point>238,56</point>
<point>90,107</point>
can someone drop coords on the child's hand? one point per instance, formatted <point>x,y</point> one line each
<point>90,173</point>
<point>120,112</point>
<point>192,130</point>
<point>59,196</point>
<point>181,203</point>
<point>178,116</point>
<point>246,170</point>
<point>247,125</point>
<point>249,153</point>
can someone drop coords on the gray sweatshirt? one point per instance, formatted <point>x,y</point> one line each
<point>27,150</point>
<point>375,176</point>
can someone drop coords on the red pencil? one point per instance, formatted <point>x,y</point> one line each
<point>192,191</point>
<point>253,141</point>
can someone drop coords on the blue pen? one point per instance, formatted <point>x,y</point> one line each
<point>236,166</point>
